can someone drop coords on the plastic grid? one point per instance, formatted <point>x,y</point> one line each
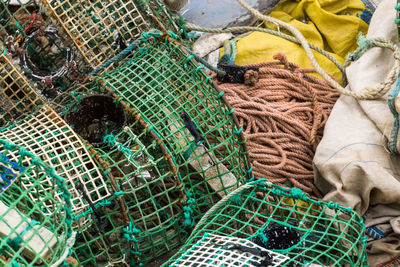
<point>99,27</point>
<point>16,96</point>
<point>162,84</point>
<point>48,136</point>
<point>217,250</point>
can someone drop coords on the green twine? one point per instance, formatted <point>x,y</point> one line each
<point>130,232</point>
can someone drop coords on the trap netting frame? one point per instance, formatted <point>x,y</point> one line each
<point>217,250</point>
<point>47,135</point>
<point>86,24</point>
<point>30,237</point>
<point>160,82</point>
<point>16,95</point>
<point>331,235</point>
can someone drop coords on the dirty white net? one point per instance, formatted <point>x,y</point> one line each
<point>217,250</point>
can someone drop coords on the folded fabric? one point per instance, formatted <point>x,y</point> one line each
<point>352,164</point>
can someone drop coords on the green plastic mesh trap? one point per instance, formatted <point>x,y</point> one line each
<point>29,236</point>
<point>16,96</point>
<point>144,218</point>
<point>49,137</point>
<point>283,220</point>
<point>162,84</point>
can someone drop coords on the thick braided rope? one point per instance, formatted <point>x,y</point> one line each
<point>283,116</point>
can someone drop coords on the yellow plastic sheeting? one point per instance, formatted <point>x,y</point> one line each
<point>330,25</point>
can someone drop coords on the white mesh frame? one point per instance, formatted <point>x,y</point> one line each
<point>16,96</point>
<point>49,137</point>
<point>209,251</point>
<point>91,37</point>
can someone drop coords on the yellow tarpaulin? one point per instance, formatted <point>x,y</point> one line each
<point>332,25</point>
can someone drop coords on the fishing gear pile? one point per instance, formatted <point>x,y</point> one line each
<point>278,224</point>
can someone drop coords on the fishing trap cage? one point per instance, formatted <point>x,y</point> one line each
<point>35,226</point>
<point>16,96</point>
<point>284,221</point>
<point>177,153</point>
<point>160,83</point>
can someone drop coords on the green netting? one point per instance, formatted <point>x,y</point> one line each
<point>160,83</point>
<point>16,96</point>
<point>325,233</point>
<point>30,236</point>
<point>144,218</point>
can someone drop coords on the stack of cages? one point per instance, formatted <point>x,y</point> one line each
<point>35,225</point>
<point>263,224</point>
<point>57,43</point>
<point>177,151</point>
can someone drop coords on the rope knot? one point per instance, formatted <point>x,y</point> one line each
<point>251,77</point>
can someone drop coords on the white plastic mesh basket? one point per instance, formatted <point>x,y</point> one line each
<point>48,136</point>
<point>216,250</point>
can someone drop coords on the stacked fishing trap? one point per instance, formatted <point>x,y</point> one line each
<point>266,225</point>
<point>117,142</point>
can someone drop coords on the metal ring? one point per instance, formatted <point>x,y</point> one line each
<point>35,73</point>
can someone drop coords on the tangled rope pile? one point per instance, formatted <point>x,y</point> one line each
<point>283,116</point>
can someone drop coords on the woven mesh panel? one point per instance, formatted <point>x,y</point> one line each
<point>163,86</point>
<point>48,136</point>
<point>326,233</point>
<point>16,96</point>
<point>29,237</point>
<point>216,250</point>
<point>98,27</point>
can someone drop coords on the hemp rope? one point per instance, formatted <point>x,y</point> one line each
<point>283,116</point>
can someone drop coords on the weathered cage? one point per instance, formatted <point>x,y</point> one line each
<point>162,84</point>
<point>16,96</point>
<point>29,236</point>
<point>49,137</point>
<point>285,221</point>
<point>101,29</point>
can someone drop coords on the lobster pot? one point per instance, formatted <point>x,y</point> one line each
<point>29,236</point>
<point>39,46</point>
<point>162,85</point>
<point>102,29</point>
<point>50,138</point>
<point>16,96</point>
<point>281,220</point>
<point>144,218</point>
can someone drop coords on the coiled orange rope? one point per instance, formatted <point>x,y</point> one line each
<point>283,116</point>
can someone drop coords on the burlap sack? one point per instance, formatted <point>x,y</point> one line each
<point>353,166</point>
